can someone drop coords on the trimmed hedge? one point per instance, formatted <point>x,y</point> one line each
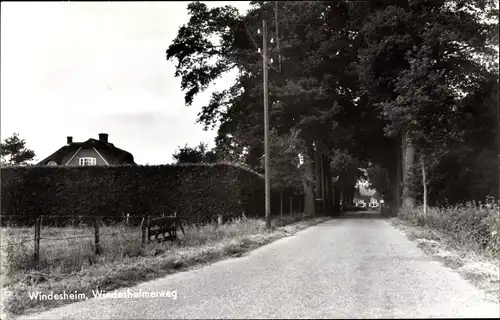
<point>199,191</point>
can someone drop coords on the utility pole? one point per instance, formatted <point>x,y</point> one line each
<point>266,125</point>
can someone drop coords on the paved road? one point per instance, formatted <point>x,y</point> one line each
<point>360,267</point>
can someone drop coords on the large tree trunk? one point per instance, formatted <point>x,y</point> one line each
<point>394,177</point>
<point>424,183</point>
<point>309,205</point>
<point>408,164</point>
<point>336,206</point>
<point>398,182</point>
<point>328,192</point>
<point>323,184</point>
<point>318,176</point>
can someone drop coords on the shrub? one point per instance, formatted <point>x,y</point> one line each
<point>494,229</point>
<point>470,224</point>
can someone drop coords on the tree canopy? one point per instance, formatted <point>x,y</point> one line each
<point>14,151</point>
<point>364,79</point>
<point>198,154</point>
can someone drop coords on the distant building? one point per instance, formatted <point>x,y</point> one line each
<point>89,153</point>
<point>365,195</point>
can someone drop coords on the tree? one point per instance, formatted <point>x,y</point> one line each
<point>301,84</point>
<point>378,180</point>
<point>199,154</point>
<point>348,170</point>
<point>467,169</point>
<point>14,151</point>
<point>286,168</point>
<point>383,81</point>
<point>417,60</point>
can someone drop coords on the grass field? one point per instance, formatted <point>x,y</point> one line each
<point>71,265</point>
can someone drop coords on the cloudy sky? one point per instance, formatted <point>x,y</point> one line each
<point>83,68</point>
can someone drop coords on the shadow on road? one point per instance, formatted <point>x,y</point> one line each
<point>360,215</point>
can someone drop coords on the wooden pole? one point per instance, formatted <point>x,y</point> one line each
<point>38,225</point>
<point>266,125</point>
<point>147,228</point>
<point>96,235</point>
<point>143,229</point>
<point>281,204</point>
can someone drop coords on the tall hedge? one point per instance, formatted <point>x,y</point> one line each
<point>194,191</point>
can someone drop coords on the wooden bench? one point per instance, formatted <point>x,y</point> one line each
<point>165,227</point>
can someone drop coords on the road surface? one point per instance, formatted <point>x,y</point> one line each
<point>354,267</point>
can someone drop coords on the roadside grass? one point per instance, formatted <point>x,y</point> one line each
<point>69,266</point>
<point>464,238</point>
<point>470,226</point>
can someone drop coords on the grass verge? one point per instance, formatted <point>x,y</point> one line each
<point>127,263</point>
<point>462,238</point>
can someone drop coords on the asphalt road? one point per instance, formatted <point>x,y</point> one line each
<point>356,267</point>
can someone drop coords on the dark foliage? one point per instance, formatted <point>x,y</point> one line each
<point>192,191</point>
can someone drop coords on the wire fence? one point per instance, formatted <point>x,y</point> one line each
<point>47,227</point>
<point>126,225</point>
<point>93,229</point>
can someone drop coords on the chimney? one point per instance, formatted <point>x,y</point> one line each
<point>103,137</point>
<point>69,140</point>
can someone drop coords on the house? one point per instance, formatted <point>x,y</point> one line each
<point>365,195</point>
<point>89,153</point>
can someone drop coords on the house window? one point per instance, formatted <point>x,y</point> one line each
<point>87,161</point>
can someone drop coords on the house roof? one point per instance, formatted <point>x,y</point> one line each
<point>112,154</point>
<point>365,192</point>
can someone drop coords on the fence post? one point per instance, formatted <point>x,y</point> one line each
<point>38,222</point>
<point>143,234</point>
<point>281,204</point>
<point>128,216</point>
<point>145,229</point>
<point>96,235</point>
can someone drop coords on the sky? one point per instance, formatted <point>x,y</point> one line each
<point>83,68</point>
